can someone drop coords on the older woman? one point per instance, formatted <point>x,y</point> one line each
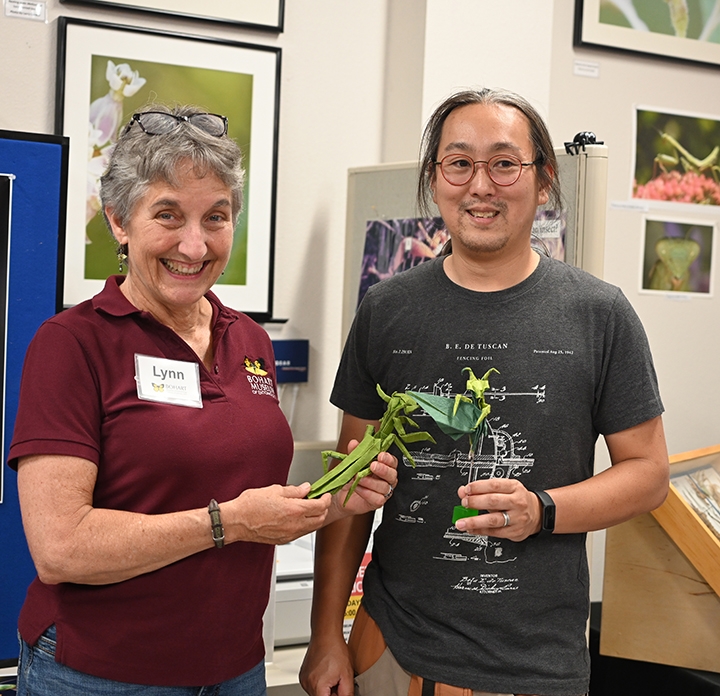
<point>138,411</point>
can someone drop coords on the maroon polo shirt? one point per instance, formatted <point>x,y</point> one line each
<point>197,621</point>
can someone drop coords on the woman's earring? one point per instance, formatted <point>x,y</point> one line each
<point>122,258</point>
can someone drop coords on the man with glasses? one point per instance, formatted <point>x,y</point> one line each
<point>495,602</point>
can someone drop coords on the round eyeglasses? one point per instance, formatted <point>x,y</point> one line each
<point>161,123</point>
<point>503,170</point>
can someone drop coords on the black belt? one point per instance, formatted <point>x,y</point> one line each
<point>428,687</point>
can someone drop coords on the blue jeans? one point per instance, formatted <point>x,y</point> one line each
<point>40,675</point>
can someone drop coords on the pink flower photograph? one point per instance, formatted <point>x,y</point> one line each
<point>677,158</point>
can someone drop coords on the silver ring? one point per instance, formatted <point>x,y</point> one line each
<point>507,519</point>
<point>389,493</point>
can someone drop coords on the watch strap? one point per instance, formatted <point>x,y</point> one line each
<point>218,531</point>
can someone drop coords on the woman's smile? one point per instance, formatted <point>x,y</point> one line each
<point>183,269</point>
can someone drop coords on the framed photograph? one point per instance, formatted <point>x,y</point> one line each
<point>106,72</point>
<point>687,31</point>
<point>677,157</point>
<point>267,15</point>
<point>678,256</point>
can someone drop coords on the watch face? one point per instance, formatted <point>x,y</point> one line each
<point>549,517</point>
<point>548,511</point>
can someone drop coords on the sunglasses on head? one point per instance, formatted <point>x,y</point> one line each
<point>161,123</point>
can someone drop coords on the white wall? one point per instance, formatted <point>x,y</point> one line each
<point>331,119</point>
<point>488,43</point>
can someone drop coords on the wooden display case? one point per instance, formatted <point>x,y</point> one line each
<point>662,581</point>
<point>696,533</point>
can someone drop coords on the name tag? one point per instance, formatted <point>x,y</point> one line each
<point>168,381</point>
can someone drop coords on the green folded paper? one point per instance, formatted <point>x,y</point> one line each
<point>356,465</point>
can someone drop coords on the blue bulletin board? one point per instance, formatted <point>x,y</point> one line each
<point>33,192</point>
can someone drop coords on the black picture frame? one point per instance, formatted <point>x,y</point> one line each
<point>236,79</point>
<point>590,32</point>
<point>268,15</point>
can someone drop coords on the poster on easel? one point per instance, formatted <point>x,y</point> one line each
<point>35,168</point>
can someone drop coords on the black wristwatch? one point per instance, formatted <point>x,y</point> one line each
<point>547,509</point>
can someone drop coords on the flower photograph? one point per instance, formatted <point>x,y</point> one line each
<point>120,86</point>
<point>105,74</point>
<point>677,158</point>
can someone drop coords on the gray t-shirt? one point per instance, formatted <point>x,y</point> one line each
<point>574,362</point>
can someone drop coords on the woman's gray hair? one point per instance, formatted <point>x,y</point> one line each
<point>544,153</point>
<point>139,160</point>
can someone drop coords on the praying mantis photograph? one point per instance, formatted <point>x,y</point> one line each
<point>677,256</point>
<point>677,158</point>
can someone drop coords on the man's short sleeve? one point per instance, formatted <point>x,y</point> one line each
<point>629,393</point>
<point>355,391</point>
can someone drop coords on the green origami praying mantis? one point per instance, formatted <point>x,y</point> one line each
<point>463,415</point>
<point>356,465</point>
